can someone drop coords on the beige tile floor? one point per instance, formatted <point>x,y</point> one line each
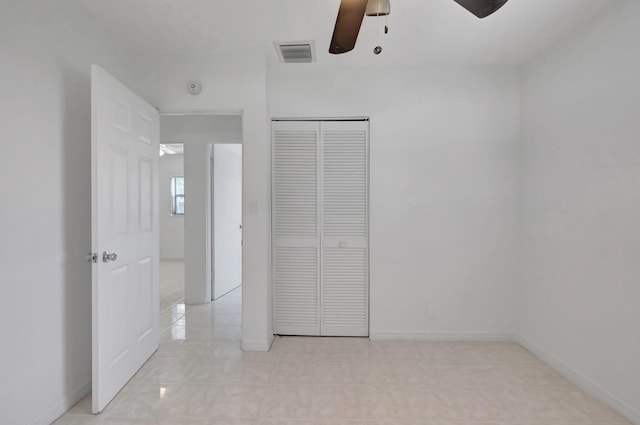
<point>199,376</point>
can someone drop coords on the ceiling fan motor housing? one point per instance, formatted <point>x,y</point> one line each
<point>378,8</point>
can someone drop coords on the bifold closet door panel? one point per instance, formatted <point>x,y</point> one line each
<point>344,228</point>
<point>295,228</point>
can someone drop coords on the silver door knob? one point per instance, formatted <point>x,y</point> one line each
<point>106,257</point>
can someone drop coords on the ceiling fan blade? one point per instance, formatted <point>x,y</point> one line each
<point>348,22</point>
<point>481,8</point>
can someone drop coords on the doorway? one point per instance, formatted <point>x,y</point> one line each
<point>172,213</point>
<point>320,227</point>
<point>226,209</point>
<point>199,131</point>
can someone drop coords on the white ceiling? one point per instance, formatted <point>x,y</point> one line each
<point>421,31</point>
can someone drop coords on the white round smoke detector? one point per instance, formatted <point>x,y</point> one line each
<point>194,87</point>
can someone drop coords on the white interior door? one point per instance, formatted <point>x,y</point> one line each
<point>125,234</point>
<point>227,218</point>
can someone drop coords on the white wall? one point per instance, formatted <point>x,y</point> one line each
<point>46,49</point>
<point>171,226</point>
<point>443,190</point>
<point>580,208</point>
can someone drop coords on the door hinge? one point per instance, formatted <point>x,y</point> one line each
<point>92,257</point>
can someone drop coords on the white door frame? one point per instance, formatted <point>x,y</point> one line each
<point>368,195</point>
<point>207,283</point>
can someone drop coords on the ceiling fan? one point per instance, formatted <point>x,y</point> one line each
<point>171,148</point>
<point>164,149</point>
<point>352,12</point>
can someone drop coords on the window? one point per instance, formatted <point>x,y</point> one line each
<point>177,195</point>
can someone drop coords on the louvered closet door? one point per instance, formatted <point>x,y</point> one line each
<point>295,228</point>
<point>344,224</point>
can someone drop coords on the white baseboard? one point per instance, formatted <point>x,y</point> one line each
<point>257,345</point>
<point>55,411</point>
<point>625,409</point>
<point>442,336</point>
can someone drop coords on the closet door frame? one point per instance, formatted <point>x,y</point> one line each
<point>294,330</point>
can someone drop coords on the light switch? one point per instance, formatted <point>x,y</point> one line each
<point>253,208</point>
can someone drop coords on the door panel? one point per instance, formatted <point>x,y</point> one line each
<point>296,242</point>
<point>125,305</point>
<point>145,292</point>
<point>145,183</point>
<point>119,175</point>
<point>344,180</point>
<point>344,291</point>
<point>345,205</point>
<point>119,282</point>
<point>296,297</point>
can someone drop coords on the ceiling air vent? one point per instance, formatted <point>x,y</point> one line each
<point>295,52</point>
